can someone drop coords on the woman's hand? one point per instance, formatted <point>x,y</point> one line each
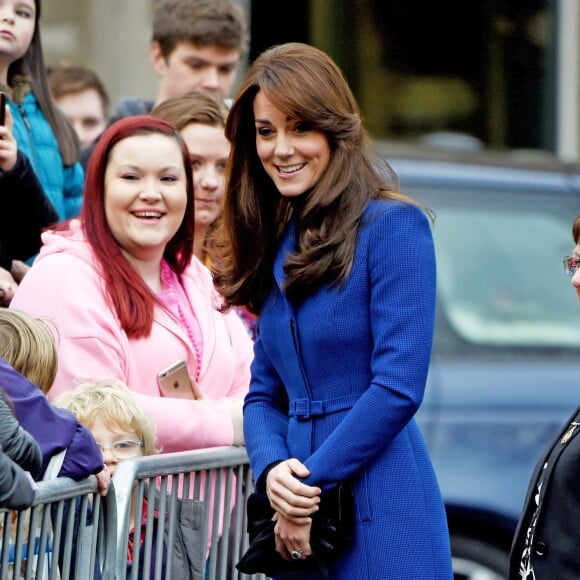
<point>288,496</point>
<point>292,538</point>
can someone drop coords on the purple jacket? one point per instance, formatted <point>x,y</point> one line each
<point>53,428</point>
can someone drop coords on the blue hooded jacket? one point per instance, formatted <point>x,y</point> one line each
<point>36,139</point>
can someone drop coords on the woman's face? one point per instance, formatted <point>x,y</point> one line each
<point>145,194</point>
<point>294,155</point>
<point>208,150</point>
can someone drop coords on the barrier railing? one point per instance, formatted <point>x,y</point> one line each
<point>190,514</point>
<point>217,481</point>
<point>60,535</point>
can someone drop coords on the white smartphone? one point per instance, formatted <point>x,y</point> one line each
<point>174,381</point>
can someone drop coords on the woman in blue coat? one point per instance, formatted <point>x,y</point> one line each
<point>341,270</point>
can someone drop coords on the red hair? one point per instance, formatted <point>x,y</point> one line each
<point>130,296</point>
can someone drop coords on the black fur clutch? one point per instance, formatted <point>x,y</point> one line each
<point>331,534</point>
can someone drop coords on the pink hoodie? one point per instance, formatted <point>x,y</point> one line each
<point>64,287</point>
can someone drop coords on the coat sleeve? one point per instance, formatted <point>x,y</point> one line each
<point>16,486</point>
<point>54,429</point>
<point>26,211</point>
<point>402,277</point>
<point>17,443</point>
<point>265,404</point>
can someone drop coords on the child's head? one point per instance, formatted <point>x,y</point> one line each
<point>119,424</point>
<point>27,70</point>
<point>197,44</point>
<point>28,345</point>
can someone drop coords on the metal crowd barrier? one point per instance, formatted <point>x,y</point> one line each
<point>218,479</point>
<point>71,533</point>
<point>62,536</point>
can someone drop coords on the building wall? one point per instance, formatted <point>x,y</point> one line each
<point>109,36</point>
<point>112,37</point>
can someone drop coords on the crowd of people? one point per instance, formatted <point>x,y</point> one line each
<point>252,240</point>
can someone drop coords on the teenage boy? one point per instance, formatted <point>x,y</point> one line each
<point>196,44</point>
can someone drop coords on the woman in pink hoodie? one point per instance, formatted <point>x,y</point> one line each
<point>127,298</point>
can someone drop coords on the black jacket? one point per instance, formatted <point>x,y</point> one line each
<point>555,550</point>
<point>26,211</point>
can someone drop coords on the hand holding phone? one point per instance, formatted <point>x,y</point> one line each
<point>175,381</point>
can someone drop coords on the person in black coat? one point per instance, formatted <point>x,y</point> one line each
<point>20,459</point>
<point>546,544</point>
<point>26,211</point>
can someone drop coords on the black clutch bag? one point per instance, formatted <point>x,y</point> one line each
<point>331,534</point>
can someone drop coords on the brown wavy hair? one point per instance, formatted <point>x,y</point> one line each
<point>305,84</point>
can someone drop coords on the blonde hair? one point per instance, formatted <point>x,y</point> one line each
<point>114,403</point>
<point>29,346</point>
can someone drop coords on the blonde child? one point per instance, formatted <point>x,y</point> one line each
<point>124,430</point>
<point>27,346</point>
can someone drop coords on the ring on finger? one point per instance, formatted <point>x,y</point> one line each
<point>296,554</point>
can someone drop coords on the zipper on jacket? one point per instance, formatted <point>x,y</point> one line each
<point>24,117</point>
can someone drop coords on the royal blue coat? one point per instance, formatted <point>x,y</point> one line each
<point>336,382</point>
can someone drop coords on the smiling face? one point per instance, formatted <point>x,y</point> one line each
<point>17,22</point>
<point>209,150</point>
<point>294,155</point>
<point>145,195</point>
